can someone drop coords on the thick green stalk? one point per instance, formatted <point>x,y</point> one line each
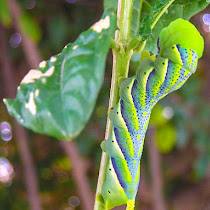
<point>121,61</point>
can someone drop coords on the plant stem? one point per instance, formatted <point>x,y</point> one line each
<point>121,61</point>
<point>30,49</point>
<point>155,171</point>
<point>141,46</point>
<point>161,13</point>
<point>79,174</point>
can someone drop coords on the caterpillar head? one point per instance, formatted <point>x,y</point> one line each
<point>183,34</point>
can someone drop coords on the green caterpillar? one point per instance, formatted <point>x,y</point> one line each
<point>180,46</point>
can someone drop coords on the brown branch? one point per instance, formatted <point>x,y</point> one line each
<point>30,50</point>
<point>79,174</point>
<point>20,133</point>
<point>155,170</point>
<point>33,58</point>
<point>144,194</point>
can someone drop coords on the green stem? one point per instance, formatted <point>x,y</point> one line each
<point>121,62</point>
<point>141,46</point>
<point>158,16</point>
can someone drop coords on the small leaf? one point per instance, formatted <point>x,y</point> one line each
<point>58,98</point>
<point>145,29</point>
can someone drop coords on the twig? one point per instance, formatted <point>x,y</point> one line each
<point>79,174</point>
<point>20,133</point>
<point>30,50</point>
<point>155,171</point>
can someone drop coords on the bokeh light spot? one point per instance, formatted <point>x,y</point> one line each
<point>4,125</point>
<point>30,4</point>
<point>15,40</point>
<point>71,1</point>
<point>74,201</point>
<point>6,134</point>
<point>6,172</point>
<point>168,112</point>
<point>206,19</point>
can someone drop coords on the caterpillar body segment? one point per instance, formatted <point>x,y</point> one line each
<point>156,77</point>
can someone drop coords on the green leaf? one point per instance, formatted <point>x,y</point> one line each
<point>156,7</point>
<point>30,27</point>
<point>157,118</point>
<point>136,17</point>
<point>179,9</point>
<point>165,138</point>
<point>5,16</point>
<point>58,98</point>
<point>110,4</point>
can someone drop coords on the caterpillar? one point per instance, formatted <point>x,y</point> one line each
<point>180,47</point>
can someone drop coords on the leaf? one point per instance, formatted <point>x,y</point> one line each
<point>135,17</point>
<point>110,4</point>
<point>165,138</point>
<point>179,9</point>
<point>58,98</point>
<point>157,118</point>
<point>30,27</point>
<point>156,7</point>
<point>5,16</point>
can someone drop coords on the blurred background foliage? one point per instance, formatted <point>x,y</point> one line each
<point>180,122</point>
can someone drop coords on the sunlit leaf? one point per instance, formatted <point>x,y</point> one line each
<point>58,98</point>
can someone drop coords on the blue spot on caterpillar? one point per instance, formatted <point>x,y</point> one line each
<point>180,46</point>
